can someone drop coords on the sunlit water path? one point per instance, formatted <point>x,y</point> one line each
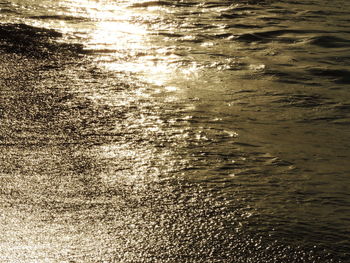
<point>174,131</point>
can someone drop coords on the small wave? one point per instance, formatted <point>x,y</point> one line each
<point>255,2</point>
<point>214,5</point>
<point>281,11</point>
<point>59,17</point>
<point>264,36</point>
<point>278,35</point>
<point>8,11</point>
<point>289,76</point>
<point>249,37</point>
<point>343,107</point>
<point>222,35</point>
<point>321,13</point>
<point>166,34</point>
<point>152,3</point>
<point>342,121</point>
<point>303,101</point>
<point>245,8</point>
<point>230,16</point>
<point>163,3</point>
<point>340,76</point>
<point>260,37</point>
<point>242,26</point>
<point>192,39</point>
<point>238,12</point>
<point>329,42</point>
<point>246,144</point>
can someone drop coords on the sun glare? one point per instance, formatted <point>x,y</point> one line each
<point>119,37</point>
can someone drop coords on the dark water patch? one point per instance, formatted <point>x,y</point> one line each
<point>238,12</point>
<point>249,37</point>
<point>147,4</point>
<point>304,101</point>
<point>271,20</point>
<point>323,13</point>
<point>320,119</point>
<point>340,113</point>
<point>243,8</point>
<point>295,2</point>
<point>334,60</point>
<point>152,3</point>
<point>230,16</point>
<point>244,91</point>
<point>289,76</point>
<point>195,26</point>
<point>340,76</point>
<point>168,34</point>
<point>243,26</point>
<point>34,42</point>
<point>329,42</point>
<point>60,17</point>
<point>214,4</point>
<point>246,144</point>
<point>8,11</point>
<point>273,35</point>
<point>204,26</point>
<point>345,23</point>
<point>343,107</point>
<point>256,2</point>
<point>281,11</point>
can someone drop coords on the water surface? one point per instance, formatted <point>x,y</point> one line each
<point>174,131</point>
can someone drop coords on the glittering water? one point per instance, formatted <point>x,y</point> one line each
<point>174,131</point>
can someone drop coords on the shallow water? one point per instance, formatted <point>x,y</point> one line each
<point>175,131</point>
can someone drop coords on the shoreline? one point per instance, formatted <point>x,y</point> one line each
<point>81,180</point>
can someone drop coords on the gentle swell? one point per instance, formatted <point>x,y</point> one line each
<point>329,41</point>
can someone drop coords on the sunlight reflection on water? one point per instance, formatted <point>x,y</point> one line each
<point>180,96</point>
<point>121,43</point>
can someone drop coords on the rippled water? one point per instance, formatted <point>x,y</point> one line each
<point>175,131</point>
